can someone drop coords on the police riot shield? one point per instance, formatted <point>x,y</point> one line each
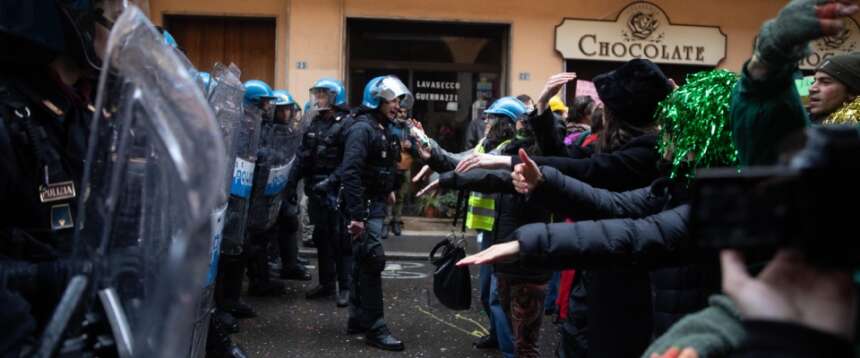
<point>149,192</point>
<point>246,140</point>
<point>277,148</point>
<point>224,94</point>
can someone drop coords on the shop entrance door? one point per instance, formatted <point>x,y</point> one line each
<point>249,42</point>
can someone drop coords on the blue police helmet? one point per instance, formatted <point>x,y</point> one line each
<point>169,40</point>
<point>256,91</point>
<point>509,107</point>
<point>387,88</point>
<point>283,98</point>
<point>334,86</point>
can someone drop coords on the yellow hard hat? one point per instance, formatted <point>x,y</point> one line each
<point>556,105</point>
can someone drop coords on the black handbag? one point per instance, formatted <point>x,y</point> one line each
<point>452,285</point>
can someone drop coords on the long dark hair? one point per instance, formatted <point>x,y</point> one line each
<point>617,133</point>
<point>582,107</point>
<point>502,130</point>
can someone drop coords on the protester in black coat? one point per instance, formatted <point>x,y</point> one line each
<point>520,289</point>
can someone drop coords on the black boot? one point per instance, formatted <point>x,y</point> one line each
<point>261,288</point>
<point>320,291</point>
<point>238,309</point>
<point>486,342</point>
<point>383,339</point>
<point>297,273</point>
<point>232,273</point>
<point>397,228</point>
<point>343,298</point>
<point>219,344</point>
<point>226,320</point>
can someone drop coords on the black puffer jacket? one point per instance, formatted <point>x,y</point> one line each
<point>644,228</point>
<point>634,165</point>
<point>512,211</point>
<point>618,299</point>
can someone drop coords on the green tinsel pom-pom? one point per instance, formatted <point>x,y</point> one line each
<point>695,129</point>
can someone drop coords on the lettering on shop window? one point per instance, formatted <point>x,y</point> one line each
<point>437,91</point>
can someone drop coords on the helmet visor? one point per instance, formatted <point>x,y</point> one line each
<point>391,88</point>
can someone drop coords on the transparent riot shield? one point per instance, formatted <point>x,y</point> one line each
<point>148,191</point>
<point>224,94</point>
<point>247,140</point>
<point>270,176</point>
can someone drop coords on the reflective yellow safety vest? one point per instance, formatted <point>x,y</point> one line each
<point>481,214</point>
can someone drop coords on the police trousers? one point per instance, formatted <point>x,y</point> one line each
<point>334,252</point>
<point>365,301</point>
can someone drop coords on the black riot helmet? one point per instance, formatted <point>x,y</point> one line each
<point>37,31</point>
<point>31,31</point>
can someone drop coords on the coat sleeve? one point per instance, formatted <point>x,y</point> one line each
<point>574,198</point>
<point>650,241</point>
<point>480,180</point>
<point>442,160</point>
<point>548,133</point>
<point>355,153</point>
<point>774,339</point>
<point>608,170</point>
<point>763,113</point>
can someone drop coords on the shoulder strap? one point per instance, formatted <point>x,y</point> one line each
<point>15,107</point>
<point>462,207</point>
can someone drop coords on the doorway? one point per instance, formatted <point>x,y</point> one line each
<point>249,42</point>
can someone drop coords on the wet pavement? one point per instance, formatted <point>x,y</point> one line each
<point>291,326</point>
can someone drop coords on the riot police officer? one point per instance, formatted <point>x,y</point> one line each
<point>46,91</point>
<point>266,192</point>
<point>369,170</point>
<point>320,154</point>
<point>287,113</point>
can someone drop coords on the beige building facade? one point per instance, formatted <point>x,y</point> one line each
<point>454,53</point>
<point>312,33</point>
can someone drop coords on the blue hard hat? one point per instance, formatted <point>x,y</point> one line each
<point>388,88</point>
<point>334,86</point>
<point>169,40</point>
<point>283,98</point>
<point>256,90</point>
<point>509,107</point>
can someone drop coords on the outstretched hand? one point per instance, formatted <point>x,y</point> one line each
<point>526,175</point>
<point>830,15</point>
<point>485,161</point>
<point>553,87</point>
<point>677,353</point>
<point>425,171</point>
<point>430,188</point>
<point>791,290</point>
<point>493,254</point>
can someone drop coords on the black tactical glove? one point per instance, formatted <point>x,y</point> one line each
<point>323,187</point>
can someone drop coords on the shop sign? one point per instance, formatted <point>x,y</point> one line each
<point>431,90</point>
<point>641,30</point>
<point>826,47</point>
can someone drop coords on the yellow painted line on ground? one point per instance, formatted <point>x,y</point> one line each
<point>475,333</point>
<point>480,327</point>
